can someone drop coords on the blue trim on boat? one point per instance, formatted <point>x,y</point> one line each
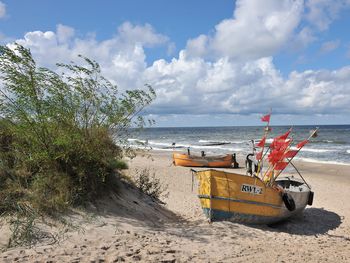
<point>219,215</point>
<point>238,201</point>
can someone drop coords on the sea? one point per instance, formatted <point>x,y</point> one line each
<point>332,144</point>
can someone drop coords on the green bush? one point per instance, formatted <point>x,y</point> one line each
<point>60,133</point>
<point>146,182</point>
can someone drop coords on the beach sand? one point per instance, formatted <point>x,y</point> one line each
<point>130,227</point>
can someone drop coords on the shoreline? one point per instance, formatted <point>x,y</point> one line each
<point>297,159</point>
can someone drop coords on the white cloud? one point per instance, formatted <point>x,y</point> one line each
<point>258,29</point>
<point>321,13</point>
<point>64,33</point>
<point>317,17</point>
<point>193,85</point>
<point>321,91</point>
<point>2,10</point>
<point>122,57</point>
<point>229,72</point>
<point>303,38</point>
<point>144,35</point>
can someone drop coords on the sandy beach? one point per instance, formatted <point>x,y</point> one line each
<point>130,227</point>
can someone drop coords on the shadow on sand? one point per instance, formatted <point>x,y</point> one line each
<point>132,206</point>
<point>314,221</point>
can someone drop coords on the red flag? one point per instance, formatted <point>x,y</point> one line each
<point>284,136</point>
<point>290,154</point>
<point>278,150</point>
<point>279,145</point>
<point>280,165</point>
<point>302,143</point>
<point>258,156</point>
<point>275,156</point>
<point>262,142</point>
<point>266,117</point>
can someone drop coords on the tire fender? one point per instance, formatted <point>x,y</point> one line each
<point>288,201</point>
<point>311,198</point>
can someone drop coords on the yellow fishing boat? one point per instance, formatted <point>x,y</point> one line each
<point>189,160</point>
<point>247,199</point>
<point>261,196</point>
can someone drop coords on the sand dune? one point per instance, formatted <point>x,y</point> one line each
<point>130,227</point>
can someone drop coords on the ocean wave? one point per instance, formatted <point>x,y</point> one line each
<point>268,141</point>
<point>314,150</point>
<point>165,144</point>
<point>330,141</point>
<point>223,142</point>
<point>136,140</point>
<point>204,141</point>
<point>348,151</point>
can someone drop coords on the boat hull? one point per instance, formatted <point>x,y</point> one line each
<point>245,199</point>
<point>224,161</point>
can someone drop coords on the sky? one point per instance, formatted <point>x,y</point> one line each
<point>211,63</point>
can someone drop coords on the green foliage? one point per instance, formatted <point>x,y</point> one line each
<point>147,182</point>
<point>60,133</point>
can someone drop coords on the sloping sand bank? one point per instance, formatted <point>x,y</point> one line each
<point>130,227</point>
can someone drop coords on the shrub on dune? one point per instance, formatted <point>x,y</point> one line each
<point>60,133</point>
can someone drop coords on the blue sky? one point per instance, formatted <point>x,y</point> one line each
<point>210,62</point>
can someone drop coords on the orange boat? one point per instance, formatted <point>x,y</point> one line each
<point>183,159</point>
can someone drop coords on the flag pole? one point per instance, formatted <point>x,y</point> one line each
<point>289,160</point>
<point>300,175</point>
<point>260,162</point>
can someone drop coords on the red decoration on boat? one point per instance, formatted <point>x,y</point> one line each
<point>266,118</point>
<point>262,142</point>
<point>290,154</point>
<point>302,143</point>
<point>258,156</point>
<point>281,165</point>
<point>284,136</point>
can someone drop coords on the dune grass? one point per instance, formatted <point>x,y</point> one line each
<point>60,136</point>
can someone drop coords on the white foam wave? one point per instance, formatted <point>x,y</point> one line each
<point>313,150</point>
<point>136,140</point>
<point>317,150</point>
<point>166,144</point>
<point>268,141</point>
<point>219,141</point>
<point>238,141</point>
<point>348,151</point>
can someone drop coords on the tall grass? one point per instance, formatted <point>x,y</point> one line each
<point>59,134</point>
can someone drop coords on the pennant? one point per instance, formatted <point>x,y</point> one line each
<point>302,143</point>
<point>290,154</point>
<point>280,165</point>
<point>258,156</point>
<point>279,145</point>
<point>262,142</point>
<point>266,118</point>
<point>284,136</point>
<point>275,156</point>
<point>279,148</point>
